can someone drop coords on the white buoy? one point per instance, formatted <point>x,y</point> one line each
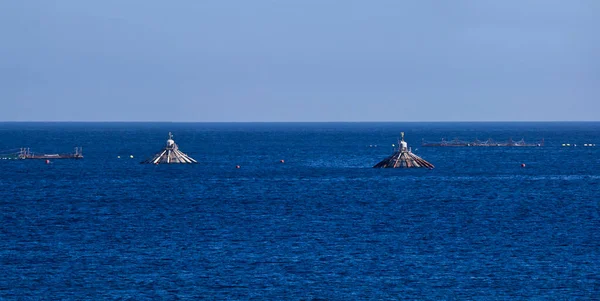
<point>118,157</point>
<point>131,156</point>
<point>564,144</point>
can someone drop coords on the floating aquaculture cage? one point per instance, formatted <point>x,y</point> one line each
<point>477,142</point>
<point>170,154</point>
<point>26,153</point>
<point>403,157</point>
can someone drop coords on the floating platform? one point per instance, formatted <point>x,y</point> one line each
<point>478,143</point>
<point>403,157</point>
<point>25,153</point>
<point>170,154</point>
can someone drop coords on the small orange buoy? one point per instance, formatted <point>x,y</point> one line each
<point>282,161</point>
<point>522,164</point>
<point>237,166</point>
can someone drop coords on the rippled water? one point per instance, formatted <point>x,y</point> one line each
<point>322,225</point>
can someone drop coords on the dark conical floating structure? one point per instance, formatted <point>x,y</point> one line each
<point>403,158</point>
<point>170,155</point>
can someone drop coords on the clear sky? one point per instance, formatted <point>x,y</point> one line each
<point>299,60</point>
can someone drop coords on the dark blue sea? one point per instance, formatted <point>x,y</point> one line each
<point>324,225</point>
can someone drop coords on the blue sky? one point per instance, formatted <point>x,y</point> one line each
<point>309,60</point>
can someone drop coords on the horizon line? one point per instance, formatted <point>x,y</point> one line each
<point>435,121</point>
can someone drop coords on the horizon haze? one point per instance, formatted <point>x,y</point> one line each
<point>299,61</point>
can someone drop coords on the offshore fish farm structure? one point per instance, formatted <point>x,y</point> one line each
<point>486,143</point>
<point>25,153</point>
<point>403,157</point>
<point>170,154</point>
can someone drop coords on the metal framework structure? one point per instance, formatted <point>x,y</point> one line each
<point>26,153</point>
<point>170,154</point>
<point>403,157</point>
<point>477,142</point>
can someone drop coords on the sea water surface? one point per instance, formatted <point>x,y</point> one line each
<point>324,225</point>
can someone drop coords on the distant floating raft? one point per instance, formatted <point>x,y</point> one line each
<point>170,155</point>
<point>488,142</point>
<point>403,158</point>
<point>25,153</point>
